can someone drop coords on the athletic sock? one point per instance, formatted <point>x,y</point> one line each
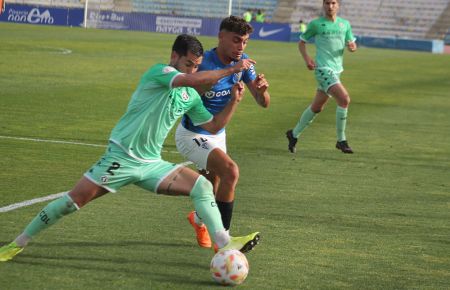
<point>341,122</point>
<point>197,219</point>
<point>205,206</point>
<point>221,238</point>
<point>226,211</point>
<point>50,215</point>
<point>306,119</point>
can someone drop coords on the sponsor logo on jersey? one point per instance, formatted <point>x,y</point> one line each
<point>104,179</point>
<point>265,33</point>
<point>212,94</point>
<point>168,69</point>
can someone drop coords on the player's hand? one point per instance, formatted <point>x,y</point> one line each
<point>310,63</point>
<point>243,64</point>
<point>261,83</point>
<point>351,46</point>
<point>237,92</point>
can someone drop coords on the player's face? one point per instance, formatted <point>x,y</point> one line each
<point>330,7</point>
<point>186,64</point>
<point>233,44</point>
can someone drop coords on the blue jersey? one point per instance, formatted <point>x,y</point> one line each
<point>219,95</point>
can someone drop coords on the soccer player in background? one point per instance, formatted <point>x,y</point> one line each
<point>208,150</point>
<point>133,155</point>
<point>332,34</point>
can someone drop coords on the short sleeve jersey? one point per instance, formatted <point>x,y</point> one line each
<point>331,39</point>
<point>219,95</point>
<point>153,110</point>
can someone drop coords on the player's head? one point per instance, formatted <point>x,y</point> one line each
<point>331,7</point>
<point>234,33</point>
<point>187,53</point>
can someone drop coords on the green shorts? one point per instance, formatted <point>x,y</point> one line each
<point>326,77</point>
<point>116,169</point>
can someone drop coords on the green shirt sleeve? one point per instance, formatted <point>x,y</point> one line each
<point>311,31</point>
<point>198,113</point>
<point>349,34</point>
<point>161,75</point>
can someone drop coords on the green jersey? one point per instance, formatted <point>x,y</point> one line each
<point>153,110</point>
<point>331,38</point>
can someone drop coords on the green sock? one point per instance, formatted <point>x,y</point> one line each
<point>306,119</point>
<point>205,205</point>
<point>50,215</point>
<point>341,122</point>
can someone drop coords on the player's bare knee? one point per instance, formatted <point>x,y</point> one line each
<point>316,109</point>
<point>344,102</point>
<point>231,171</point>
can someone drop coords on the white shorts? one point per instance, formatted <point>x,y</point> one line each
<point>196,147</point>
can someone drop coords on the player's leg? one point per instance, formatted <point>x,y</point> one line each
<point>342,98</point>
<point>111,172</point>
<point>184,181</point>
<point>196,148</point>
<point>227,171</point>
<point>307,117</point>
<point>82,193</point>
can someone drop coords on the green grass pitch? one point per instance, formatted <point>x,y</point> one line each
<point>377,219</point>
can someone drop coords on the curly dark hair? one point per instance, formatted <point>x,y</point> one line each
<point>237,25</point>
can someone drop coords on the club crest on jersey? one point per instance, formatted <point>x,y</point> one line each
<point>168,69</point>
<point>341,25</point>
<point>237,77</point>
<point>185,96</point>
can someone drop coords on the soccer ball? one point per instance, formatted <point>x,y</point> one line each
<point>229,267</point>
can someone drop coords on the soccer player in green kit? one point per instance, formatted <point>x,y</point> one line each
<point>133,155</point>
<point>332,34</point>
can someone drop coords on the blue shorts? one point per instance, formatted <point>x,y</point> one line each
<point>116,169</point>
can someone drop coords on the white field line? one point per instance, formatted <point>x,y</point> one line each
<point>56,195</point>
<point>30,202</point>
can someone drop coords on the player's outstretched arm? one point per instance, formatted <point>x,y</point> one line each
<point>210,77</point>
<point>258,88</point>
<point>221,119</point>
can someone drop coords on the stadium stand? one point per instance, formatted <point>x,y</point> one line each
<point>416,19</point>
<point>193,8</point>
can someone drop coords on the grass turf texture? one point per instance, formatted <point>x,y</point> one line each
<point>377,219</point>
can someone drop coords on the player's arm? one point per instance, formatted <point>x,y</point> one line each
<point>221,119</point>
<point>350,39</point>
<point>258,88</point>
<point>199,79</point>
<point>310,64</point>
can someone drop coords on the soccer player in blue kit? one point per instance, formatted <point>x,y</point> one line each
<point>208,151</point>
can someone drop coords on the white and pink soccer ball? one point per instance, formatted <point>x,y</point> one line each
<point>229,267</point>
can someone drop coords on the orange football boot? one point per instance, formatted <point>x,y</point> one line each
<point>203,238</point>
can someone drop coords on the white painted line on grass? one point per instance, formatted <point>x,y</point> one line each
<point>30,202</point>
<point>56,195</point>
<point>62,142</point>
<point>51,141</point>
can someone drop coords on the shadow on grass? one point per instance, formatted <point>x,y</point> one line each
<point>144,264</point>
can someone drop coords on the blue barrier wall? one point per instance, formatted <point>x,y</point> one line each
<point>177,25</point>
<point>428,45</point>
<point>42,15</point>
<point>134,21</point>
